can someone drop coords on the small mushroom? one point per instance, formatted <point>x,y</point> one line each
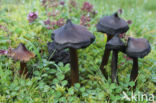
<point>74,37</point>
<point>115,44</point>
<point>21,54</point>
<point>110,25</point>
<point>58,55</point>
<point>136,48</point>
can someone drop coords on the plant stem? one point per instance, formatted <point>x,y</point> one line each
<point>23,69</point>
<point>114,66</point>
<point>74,66</point>
<point>105,60</point>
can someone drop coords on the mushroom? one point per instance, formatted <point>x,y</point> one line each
<point>21,54</point>
<point>136,48</point>
<point>74,37</point>
<point>58,55</point>
<point>115,44</point>
<point>110,25</point>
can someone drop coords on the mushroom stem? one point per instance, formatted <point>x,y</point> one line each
<point>134,72</point>
<point>23,69</point>
<point>105,60</point>
<point>74,66</point>
<point>114,66</point>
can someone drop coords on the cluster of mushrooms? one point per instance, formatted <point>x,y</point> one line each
<point>70,37</point>
<point>135,48</point>
<point>74,37</point>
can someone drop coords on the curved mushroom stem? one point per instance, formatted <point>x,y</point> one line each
<point>74,66</point>
<point>105,60</point>
<point>134,72</point>
<point>114,66</point>
<point>23,69</point>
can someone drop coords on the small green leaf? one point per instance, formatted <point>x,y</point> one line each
<point>77,85</point>
<point>58,94</point>
<point>82,89</point>
<point>60,76</point>
<point>55,81</point>
<point>113,86</point>
<point>71,91</point>
<point>29,83</point>
<point>64,83</point>
<point>52,71</point>
<point>132,83</point>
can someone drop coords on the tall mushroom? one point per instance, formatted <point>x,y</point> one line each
<point>115,44</point>
<point>74,37</point>
<point>136,48</point>
<point>21,54</point>
<point>110,25</point>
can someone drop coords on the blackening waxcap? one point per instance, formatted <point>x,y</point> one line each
<point>72,36</point>
<point>137,47</point>
<point>112,25</point>
<point>115,43</point>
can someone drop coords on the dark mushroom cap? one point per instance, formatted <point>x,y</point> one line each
<point>137,47</point>
<point>20,53</point>
<point>115,43</point>
<point>72,36</point>
<point>112,25</point>
<point>58,55</point>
